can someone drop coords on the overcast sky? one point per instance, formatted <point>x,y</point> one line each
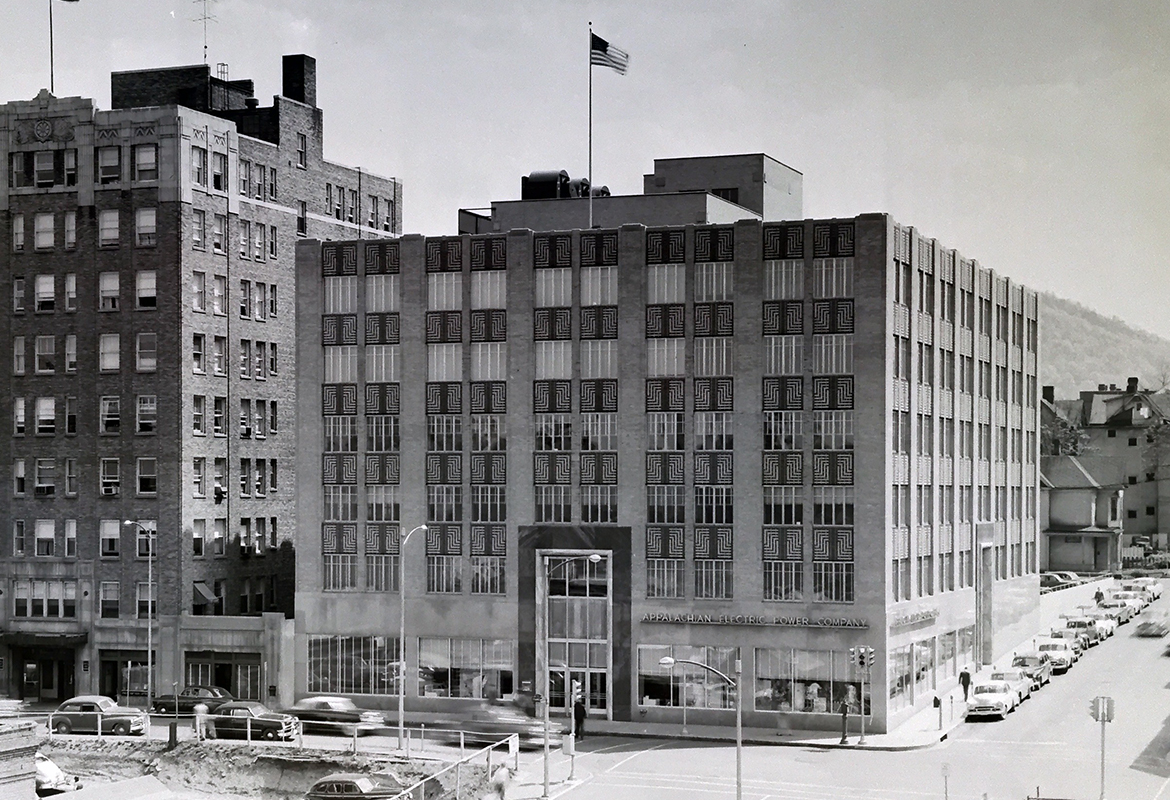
<point>1031,136</point>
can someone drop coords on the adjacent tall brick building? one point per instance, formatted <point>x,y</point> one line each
<point>780,440</point>
<point>147,267</point>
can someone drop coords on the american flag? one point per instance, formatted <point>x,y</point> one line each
<point>604,54</point>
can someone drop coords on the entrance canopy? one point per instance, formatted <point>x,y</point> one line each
<point>29,639</point>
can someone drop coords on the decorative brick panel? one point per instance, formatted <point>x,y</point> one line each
<point>714,543</point>
<point>665,394</point>
<point>489,253</point>
<point>833,240</point>
<point>489,540</point>
<point>338,399</point>
<point>444,327</point>
<point>783,544</point>
<point>444,539</point>
<point>382,328</point>
<point>666,321</point>
<point>714,244</point>
<point>599,395</point>
<point>338,329</point>
<point>444,468</point>
<point>444,397</point>
<point>383,539</point>
<point>382,468</point>
<point>489,325</point>
<point>382,398</point>
<point>832,316</point>
<point>783,468</point>
<point>665,469</point>
<point>714,394</point>
<point>338,259</point>
<point>552,324</point>
<point>714,469</point>
<point>489,397</point>
<point>665,541</point>
<point>783,394</point>
<point>552,251</point>
<point>599,322</point>
<point>552,397</point>
<point>339,537</point>
<point>489,469</point>
<point>382,258</point>
<point>551,469</point>
<point>783,317</point>
<point>599,249</point>
<point>783,241</point>
<point>599,469</point>
<point>339,468</point>
<point>714,319</point>
<point>833,544</point>
<point>832,468</point>
<point>832,392</point>
<point>444,255</point>
<point>665,247</point>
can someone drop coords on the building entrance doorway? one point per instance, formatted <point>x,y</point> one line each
<point>574,598</point>
<point>46,676</point>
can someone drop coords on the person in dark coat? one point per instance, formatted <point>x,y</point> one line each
<point>965,682</point>
<point>579,718</point>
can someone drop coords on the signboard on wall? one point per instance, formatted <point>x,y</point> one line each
<point>763,620</point>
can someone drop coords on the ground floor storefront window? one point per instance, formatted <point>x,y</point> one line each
<point>353,664</point>
<point>807,681</point>
<point>475,668</point>
<point>685,683</point>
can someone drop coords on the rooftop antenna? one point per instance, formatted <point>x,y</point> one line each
<point>205,17</point>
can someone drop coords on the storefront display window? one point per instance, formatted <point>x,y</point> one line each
<point>698,688</point>
<point>966,645</point>
<point>807,681</point>
<point>899,677</point>
<point>475,668</point>
<point>947,654</point>
<point>353,664</point>
<point>924,666</point>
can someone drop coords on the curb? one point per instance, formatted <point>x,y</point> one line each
<point>819,744</point>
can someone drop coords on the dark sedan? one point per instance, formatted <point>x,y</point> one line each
<point>82,714</point>
<point>242,719</point>
<point>340,715</point>
<point>184,703</point>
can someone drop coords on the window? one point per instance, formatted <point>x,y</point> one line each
<point>245,237</point>
<point>218,233</point>
<point>147,476</point>
<point>783,580</point>
<point>18,537</point>
<point>45,293</point>
<point>147,416</point>
<point>18,236</point>
<point>713,430</point>
<point>665,358</point>
<point>147,600</point>
<point>43,232</point>
<point>219,294</point>
<point>554,288</point>
<point>599,286</point>
<point>70,291</point>
<point>445,433</point>
<point>109,419</point>
<point>382,292</point>
<point>46,478</point>
<point>18,347</point>
<point>783,505</point>
<point>665,283</point>
<point>444,362</point>
<point>145,288</point>
<point>303,218</point>
<point>70,230</point>
<point>272,291</point>
<point>832,505</point>
<point>219,355</point>
<point>489,361</point>
<point>302,150</point>
<point>259,241</point>
<point>108,352</point>
<point>108,227</point>
<point>199,291</point>
<point>660,686</point>
<point>146,352</point>
<point>18,477</point>
<point>145,162</point>
<point>599,504</point>
<point>598,432</point>
<point>382,433</point>
<point>198,229</point>
<point>783,430</point>
<point>219,416</point>
<point>832,430</point>
<point>554,432</point>
<point>110,473</point>
<point>145,220</point>
<point>199,415</point>
<point>272,242</point>
<point>198,343</point>
<point>664,431</point>
<point>108,291</point>
<point>46,409</point>
<point>110,592</point>
<point>43,168</point>
<point>665,504</point>
<point>218,539</point>
<point>46,355</point>
<point>198,537</point>
<point>272,358</point>
<point>260,185</point>
<point>488,289</point>
<point>18,416</point>
<point>219,172</point>
<point>713,579</point>
<point>199,165</point>
<point>199,477</point>
<point>785,355</point>
<point>714,505</point>
<point>553,504</point>
<point>70,542</point>
<point>109,164</point>
<point>245,168</point>
<point>833,581</point>
<point>713,356</point>
<point>833,353</point>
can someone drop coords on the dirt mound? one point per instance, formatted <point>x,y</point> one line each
<point>220,770</point>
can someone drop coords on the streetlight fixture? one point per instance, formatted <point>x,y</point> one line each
<point>592,558</point>
<point>150,599</point>
<point>734,683</point>
<point>402,629</point>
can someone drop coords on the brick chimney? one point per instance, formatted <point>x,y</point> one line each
<point>1049,394</point>
<point>299,78</point>
<point>1131,385</point>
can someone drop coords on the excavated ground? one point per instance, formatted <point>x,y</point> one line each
<point>202,770</point>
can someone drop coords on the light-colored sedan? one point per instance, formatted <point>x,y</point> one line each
<point>992,699</point>
<point>1019,680</point>
<point>1152,584</point>
<point>1124,609</point>
<point>1139,600</point>
<point>1060,652</point>
<point>1106,622</point>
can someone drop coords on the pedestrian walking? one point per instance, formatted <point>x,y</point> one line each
<point>579,715</point>
<point>1098,596</point>
<point>499,782</point>
<point>965,682</point>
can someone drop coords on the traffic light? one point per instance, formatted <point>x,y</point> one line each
<point>575,694</point>
<point>853,656</point>
<point>864,658</point>
<point>1101,709</point>
<point>1095,709</point>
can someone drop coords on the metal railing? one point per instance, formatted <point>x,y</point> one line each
<point>512,742</point>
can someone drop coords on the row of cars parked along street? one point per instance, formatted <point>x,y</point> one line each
<point>1055,653</point>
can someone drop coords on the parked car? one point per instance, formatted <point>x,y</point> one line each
<point>81,714</point>
<point>992,699</point>
<point>1071,577</point>
<point>490,722</point>
<point>1125,609</point>
<point>1157,626</point>
<point>340,715</point>
<point>184,703</point>
<point>239,717</point>
<point>1037,665</point>
<point>1050,581</point>
<point>1087,626</point>
<point>369,787</point>
<point>1106,622</point>
<point>1153,584</point>
<point>1020,681</point>
<point>1139,600</point>
<point>1076,640</point>
<point>1140,588</point>
<point>1060,652</point>
<point>51,779</point>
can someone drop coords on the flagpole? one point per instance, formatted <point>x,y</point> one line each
<point>52,76</point>
<point>590,125</point>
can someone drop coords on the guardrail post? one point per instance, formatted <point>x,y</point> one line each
<point>49,723</point>
<point>99,724</point>
<point>355,735</point>
<point>422,737</point>
<point>489,761</point>
<point>408,742</point>
<point>248,725</point>
<point>462,753</point>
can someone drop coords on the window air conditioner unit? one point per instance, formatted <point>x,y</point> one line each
<point>247,432</point>
<point>109,490</point>
<point>45,491</point>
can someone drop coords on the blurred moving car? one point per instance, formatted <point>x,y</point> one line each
<point>51,779</point>
<point>1156,627</point>
<point>1060,652</point>
<point>185,701</point>
<point>1125,609</point>
<point>489,723</point>
<point>241,718</point>
<point>1020,681</point>
<point>324,714</point>
<point>81,714</point>
<point>1037,665</point>
<point>992,699</point>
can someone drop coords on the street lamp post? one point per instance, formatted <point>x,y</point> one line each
<point>592,558</point>
<point>150,600</point>
<point>735,683</point>
<point>402,630</point>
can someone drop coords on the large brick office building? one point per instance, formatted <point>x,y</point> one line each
<point>147,281</point>
<point>781,439</point>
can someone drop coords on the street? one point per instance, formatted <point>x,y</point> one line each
<point>1050,743</point>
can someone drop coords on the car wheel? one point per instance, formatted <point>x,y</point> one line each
<point>269,734</point>
<point>63,727</point>
<point>121,728</point>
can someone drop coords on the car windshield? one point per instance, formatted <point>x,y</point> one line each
<point>1053,646</point>
<point>1025,661</point>
<point>990,688</point>
<point>1006,676</point>
<point>106,703</point>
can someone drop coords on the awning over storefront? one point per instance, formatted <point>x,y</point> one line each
<point>203,594</point>
<point>30,639</point>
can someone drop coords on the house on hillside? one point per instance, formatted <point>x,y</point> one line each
<point>1081,498</point>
